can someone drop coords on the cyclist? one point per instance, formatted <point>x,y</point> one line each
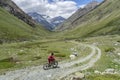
<point>51,58</point>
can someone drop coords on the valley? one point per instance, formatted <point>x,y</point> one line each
<point>93,32</point>
<point>65,69</point>
<point>88,60</point>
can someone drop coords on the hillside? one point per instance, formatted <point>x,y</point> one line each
<point>77,15</point>
<point>103,20</point>
<point>13,29</point>
<point>12,8</point>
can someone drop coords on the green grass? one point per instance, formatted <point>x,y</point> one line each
<point>103,77</point>
<point>109,53</point>
<point>109,49</point>
<point>13,29</point>
<point>6,65</point>
<point>103,20</point>
<point>32,53</point>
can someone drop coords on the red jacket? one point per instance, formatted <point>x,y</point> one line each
<point>51,58</point>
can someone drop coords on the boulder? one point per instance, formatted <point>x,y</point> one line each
<point>97,72</point>
<point>118,54</point>
<point>109,71</point>
<point>78,76</point>
<point>72,56</point>
<point>75,53</point>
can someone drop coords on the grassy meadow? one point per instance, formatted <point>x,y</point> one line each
<point>110,46</point>
<point>32,53</point>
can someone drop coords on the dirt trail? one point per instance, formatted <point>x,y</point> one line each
<point>37,73</point>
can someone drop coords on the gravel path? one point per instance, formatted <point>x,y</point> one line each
<point>37,73</point>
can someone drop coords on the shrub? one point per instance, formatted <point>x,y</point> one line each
<point>4,65</point>
<point>118,41</point>
<point>1,42</point>
<point>110,49</point>
<point>21,53</point>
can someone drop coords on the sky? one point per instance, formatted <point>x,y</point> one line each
<point>52,8</point>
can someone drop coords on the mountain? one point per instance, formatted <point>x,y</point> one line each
<point>46,21</point>
<point>102,20</point>
<point>12,8</point>
<point>15,25</point>
<point>48,18</point>
<point>40,19</point>
<point>57,20</point>
<point>92,5</point>
<point>78,14</point>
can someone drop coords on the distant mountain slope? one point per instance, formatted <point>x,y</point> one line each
<point>13,29</point>
<point>78,14</point>
<point>11,7</point>
<point>57,20</point>
<point>40,19</point>
<point>46,21</point>
<point>103,20</point>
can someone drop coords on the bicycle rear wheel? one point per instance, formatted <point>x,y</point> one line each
<point>46,66</point>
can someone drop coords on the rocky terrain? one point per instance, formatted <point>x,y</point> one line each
<point>41,20</point>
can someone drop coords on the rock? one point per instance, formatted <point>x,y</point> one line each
<point>72,57</point>
<point>72,49</point>
<point>116,65</point>
<point>115,44</point>
<point>29,61</point>
<point>17,62</point>
<point>88,73</point>
<point>78,76</point>
<point>118,54</point>
<point>95,43</point>
<point>109,71</point>
<point>97,72</point>
<point>49,76</point>
<point>75,53</point>
<point>21,50</point>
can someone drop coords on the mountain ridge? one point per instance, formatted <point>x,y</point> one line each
<point>46,21</point>
<point>103,20</point>
<point>79,13</point>
<point>16,27</point>
<point>57,21</point>
<point>12,8</point>
<point>40,19</point>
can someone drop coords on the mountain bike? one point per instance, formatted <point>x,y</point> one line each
<point>51,65</point>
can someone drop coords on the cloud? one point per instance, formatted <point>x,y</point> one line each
<point>52,8</point>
